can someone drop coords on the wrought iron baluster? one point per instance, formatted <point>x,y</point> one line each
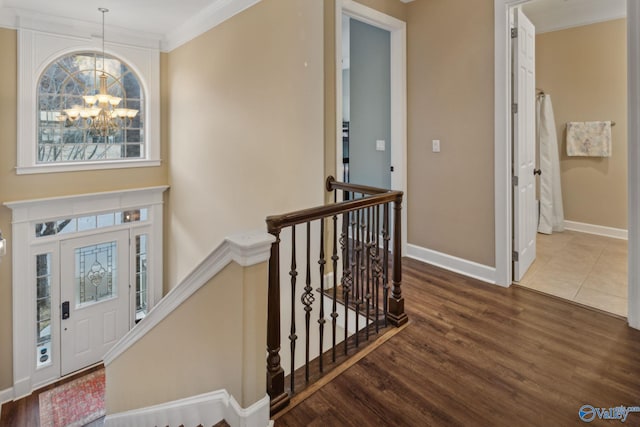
<point>376,265</point>
<point>292,335</point>
<point>356,273</point>
<point>321,319</point>
<point>385,263</point>
<point>367,296</point>
<point>334,311</point>
<point>346,273</point>
<point>307,300</point>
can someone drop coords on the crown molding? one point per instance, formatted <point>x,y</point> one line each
<point>15,18</point>
<point>211,16</point>
<point>208,18</point>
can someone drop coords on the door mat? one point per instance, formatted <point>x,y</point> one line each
<point>75,403</point>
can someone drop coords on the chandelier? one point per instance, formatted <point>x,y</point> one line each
<point>100,114</point>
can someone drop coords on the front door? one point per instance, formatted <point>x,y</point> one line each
<point>524,146</point>
<point>95,296</point>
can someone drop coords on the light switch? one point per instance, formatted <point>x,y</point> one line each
<point>436,145</point>
<point>380,145</point>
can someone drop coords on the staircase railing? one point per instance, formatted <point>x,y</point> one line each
<point>355,283</point>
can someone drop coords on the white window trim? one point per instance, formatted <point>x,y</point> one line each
<point>37,50</point>
<point>26,377</point>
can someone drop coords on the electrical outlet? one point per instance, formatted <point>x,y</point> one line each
<point>380,145</point>
<point>436,145</point>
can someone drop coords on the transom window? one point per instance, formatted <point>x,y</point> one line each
<point>62,86</point>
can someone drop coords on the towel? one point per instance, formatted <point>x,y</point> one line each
<point>591,139</point>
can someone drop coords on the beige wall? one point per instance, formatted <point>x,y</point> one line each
<point>451,98</point>
<point>215,339</point>
<point>245,126</point>
<point>584,69</point>
<point>22,187</point>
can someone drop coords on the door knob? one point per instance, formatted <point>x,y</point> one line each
<point>537,172</point>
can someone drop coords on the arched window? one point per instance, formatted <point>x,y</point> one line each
<point>73,125</point>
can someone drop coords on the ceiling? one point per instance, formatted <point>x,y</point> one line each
<point>146,16</point>
<point>552,15</point>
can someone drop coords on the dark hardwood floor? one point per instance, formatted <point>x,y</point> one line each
<point>478,355</point>
<point>473,355</point>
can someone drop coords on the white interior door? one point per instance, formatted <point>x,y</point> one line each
<point>95,296</point>
<point>524,146</point>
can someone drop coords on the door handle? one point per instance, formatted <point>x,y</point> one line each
<point>65,310</point>
<point>537,172</point>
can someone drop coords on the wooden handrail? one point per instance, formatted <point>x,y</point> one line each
<point>377,196</point>
<point>331,184</point>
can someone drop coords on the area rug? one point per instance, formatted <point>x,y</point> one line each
<point>75,403</point>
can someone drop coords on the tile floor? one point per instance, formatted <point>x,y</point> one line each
<point>585,268</point>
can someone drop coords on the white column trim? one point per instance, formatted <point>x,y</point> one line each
<point>633,46</point>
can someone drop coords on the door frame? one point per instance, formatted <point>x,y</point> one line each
<point>25,213</point>
<point>398,143</point>
<point>503,151</point>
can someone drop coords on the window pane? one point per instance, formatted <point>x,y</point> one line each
<point>96,273</point>
<point>43,309</point>
<point>105,220</point>
<point>66,226</point>
<point>65,136</point>
<point>86,223</point>
<point>141,276</point>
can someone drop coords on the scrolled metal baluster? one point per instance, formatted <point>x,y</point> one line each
<point>356,273</point>
<point>321,319</point>
<point>367,295</point>
<point>376,265</point>
<point>385,262</point>
<point>346,273</point>
<point>334,311</point>
<point>307,300</point>
<point>292,333</point>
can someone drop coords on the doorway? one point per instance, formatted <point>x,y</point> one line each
<point>112,242</point>
<point>396,145</point>
<point>585,263</point>
<point>366,95</point>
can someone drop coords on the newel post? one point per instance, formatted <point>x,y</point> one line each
<point>396,314</point>
<point>275,373</point>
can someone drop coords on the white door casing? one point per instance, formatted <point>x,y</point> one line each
<point>398,143</point>
<point>95,282</point>
<point>503,160</point>
<point>524,145</point>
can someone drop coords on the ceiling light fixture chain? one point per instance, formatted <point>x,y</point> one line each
<point>100,115</point>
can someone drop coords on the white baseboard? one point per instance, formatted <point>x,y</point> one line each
<point>206,409</point>
<point>6,395</point>
<point>600,230</point>
<point>452,263</point>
